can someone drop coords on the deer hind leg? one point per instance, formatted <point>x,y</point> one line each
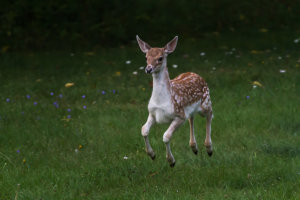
<point>175,124</point>
<point>193,143</point>
<point>145,133</point>
<point>208,142</point>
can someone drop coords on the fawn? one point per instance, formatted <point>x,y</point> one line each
<point>174,101</point>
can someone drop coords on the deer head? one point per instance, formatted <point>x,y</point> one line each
<point>156,58</point>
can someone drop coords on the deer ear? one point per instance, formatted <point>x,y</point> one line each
<point>143,45</point>
<point>171,46</point>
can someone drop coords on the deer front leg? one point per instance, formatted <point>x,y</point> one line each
<point>193,143</point>
<point>167,137</point>
<point>208,142</point>
<point>145,133</point>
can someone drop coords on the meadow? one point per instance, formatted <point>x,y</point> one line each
<point>82,140</point>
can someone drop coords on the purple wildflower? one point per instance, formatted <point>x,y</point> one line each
<point>83,96</point>
<point>51,93</point>
<point>103,92</point>
<point>56,104</point>
<point>248,97</point>
<point>84,107</point>
<point>60,96</point>
<point>7,100</point>
<point>69,116</point>
<point>35,103</point>
<point>18,151</point>
<point>69,110</point>
<point>114,91</point>
<point>28,96</point>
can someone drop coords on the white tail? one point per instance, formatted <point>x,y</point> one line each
<point>174,101</point>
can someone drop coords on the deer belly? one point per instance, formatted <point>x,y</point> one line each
<point>191,109</point>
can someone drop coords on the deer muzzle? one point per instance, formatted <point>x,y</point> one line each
<point>149,69</point>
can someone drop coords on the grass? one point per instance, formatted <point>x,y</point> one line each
<point>255,131</point>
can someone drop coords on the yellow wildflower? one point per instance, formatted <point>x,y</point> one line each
<point>263,30</point>
<point>257,83</point>
<point>4,49</point>
<point>256,52</point>
<point>67,85</point>
<point>66,119</point>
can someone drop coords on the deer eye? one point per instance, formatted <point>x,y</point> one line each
<point>160,59</point>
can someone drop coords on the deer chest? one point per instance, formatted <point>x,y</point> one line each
<point>163,111</point>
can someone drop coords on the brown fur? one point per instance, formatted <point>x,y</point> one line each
<point>186,89</point>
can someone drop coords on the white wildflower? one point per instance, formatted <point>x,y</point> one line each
<point>296,41</point>
<point>282,71</point>
<point>202,54</point>
<point>142,67</point>
<point>128,62</point>
<point>135,73</point>
<point>175,66</point>
<point>125,157</point>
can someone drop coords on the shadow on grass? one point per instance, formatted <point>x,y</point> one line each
<point>283,150</point>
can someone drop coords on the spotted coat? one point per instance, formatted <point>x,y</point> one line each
<point>189,88</point>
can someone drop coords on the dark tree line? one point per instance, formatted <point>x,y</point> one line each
<point>46,24</point>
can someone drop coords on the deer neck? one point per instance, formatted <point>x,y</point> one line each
<point>161,85</point>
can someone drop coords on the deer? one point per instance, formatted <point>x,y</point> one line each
<point>174,101</point>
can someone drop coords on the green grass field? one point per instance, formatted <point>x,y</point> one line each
<point>72,143</point>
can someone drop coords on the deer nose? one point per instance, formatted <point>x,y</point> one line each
<point>148,69</point>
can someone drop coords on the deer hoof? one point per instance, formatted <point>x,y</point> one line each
<point>194,148</point>
<point>172,164</point>
<point>153,156</point>
<point>209,149</point>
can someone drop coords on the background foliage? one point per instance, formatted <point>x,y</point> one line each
<point>56,24</point>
